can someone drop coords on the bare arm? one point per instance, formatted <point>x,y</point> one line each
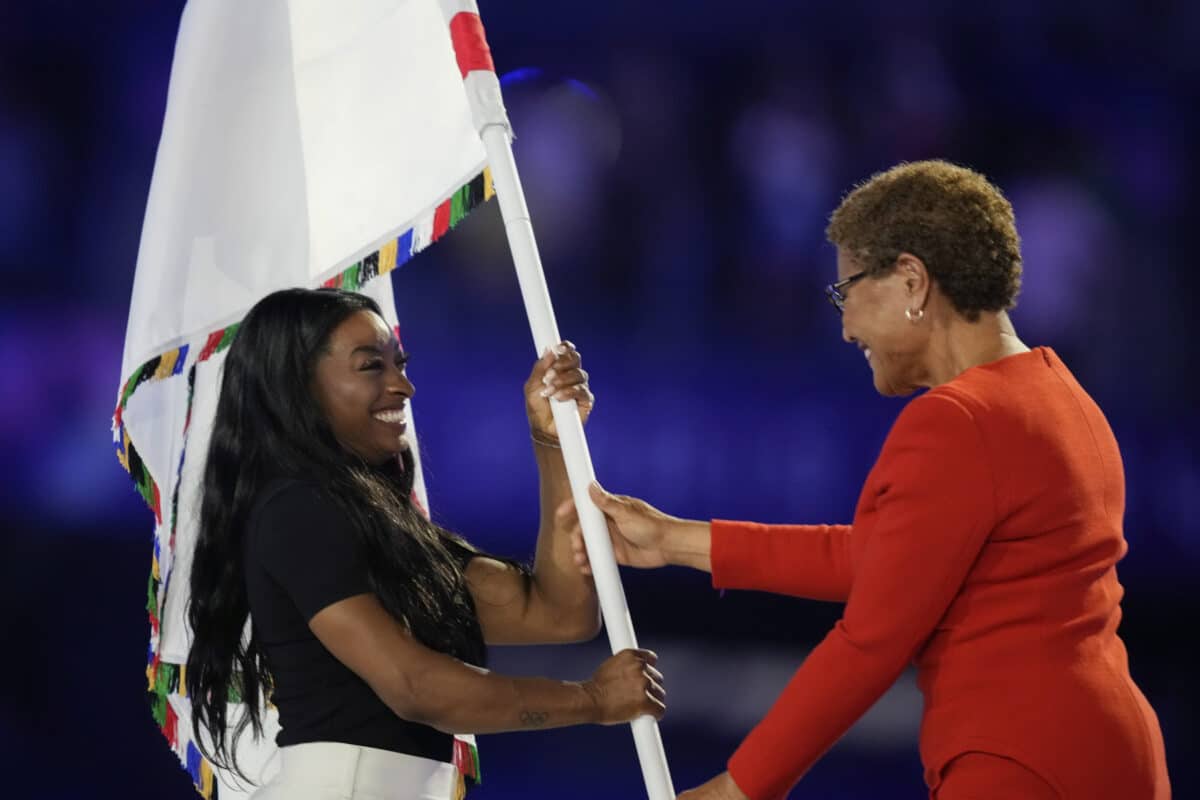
<point>810,561</point>
<point>432,688</point>
<point>556,603</point>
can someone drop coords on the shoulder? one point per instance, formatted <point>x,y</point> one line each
<point>295,509</point>
<point>288,496</point>
<point>938,432</point>
<point>944,411</point>
<point>936,442</point>
<point>282,491</point>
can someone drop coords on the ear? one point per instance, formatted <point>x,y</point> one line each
<point>916,279</point>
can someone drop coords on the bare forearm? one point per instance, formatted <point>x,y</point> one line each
<point>554,487</point>
<point>457,698</point>
<point>559,585</point>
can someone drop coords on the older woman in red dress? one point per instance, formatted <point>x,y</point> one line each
<point>985,540</point>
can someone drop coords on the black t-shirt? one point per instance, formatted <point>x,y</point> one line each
<point>302,556</point>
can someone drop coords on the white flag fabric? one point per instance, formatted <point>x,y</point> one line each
<point>305,143</point>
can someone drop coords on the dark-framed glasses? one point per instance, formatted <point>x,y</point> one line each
<point>836,292</point>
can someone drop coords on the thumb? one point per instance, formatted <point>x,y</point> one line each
<point>603,500</point>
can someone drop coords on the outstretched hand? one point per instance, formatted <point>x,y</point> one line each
<point>636,528</point>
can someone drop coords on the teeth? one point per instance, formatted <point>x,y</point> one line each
<point>867,353</point>
<point>390,416</point>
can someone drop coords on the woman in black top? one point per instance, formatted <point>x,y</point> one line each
<point>370,621</point>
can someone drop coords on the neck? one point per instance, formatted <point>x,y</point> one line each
<point>956,345</point>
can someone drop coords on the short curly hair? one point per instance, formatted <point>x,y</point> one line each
<point>950,217</point>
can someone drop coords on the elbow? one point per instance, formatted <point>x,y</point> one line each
<point>407,700</point>
<point>440,717</point>
<point>593,625</point>
<point>581,627</point>
<point>405,703</point>
<point>562,620</point>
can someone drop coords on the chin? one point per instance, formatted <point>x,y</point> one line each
<point>888,389</point>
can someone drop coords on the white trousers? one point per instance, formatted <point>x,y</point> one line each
<point>336,771</point>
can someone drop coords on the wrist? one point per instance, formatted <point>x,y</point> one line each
<point>589,702</point>
<point>543,439</point>
<point>688,543</point>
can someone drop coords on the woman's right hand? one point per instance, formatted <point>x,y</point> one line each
<point>638,531</point>
<point>627,686</point>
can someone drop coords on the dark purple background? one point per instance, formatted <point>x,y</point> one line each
<point>680,161</point>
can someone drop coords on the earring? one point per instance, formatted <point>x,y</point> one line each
<point>914,316</point>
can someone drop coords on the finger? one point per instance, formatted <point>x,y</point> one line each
<point>563,377</point>
<point>548,378</point>
<point>541,365</point>
<point>647,656</point>
<point>656,690</point>
<point>567,357</point>
<point>581,394</point>
<point>580,553</point>
<point>654,706</point>
<point>617,539</point>
<point>565,515</point>
<point>654,674</point>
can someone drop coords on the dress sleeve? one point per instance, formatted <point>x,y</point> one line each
<point>307,546</point>
<point>934,508</point>
<point>811,561</point>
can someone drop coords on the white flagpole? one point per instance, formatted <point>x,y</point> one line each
<point>574,444</point>
<point>487,108</point>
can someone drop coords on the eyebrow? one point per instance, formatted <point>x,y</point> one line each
<point>374,350</point>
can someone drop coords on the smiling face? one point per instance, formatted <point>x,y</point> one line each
<point>360,385</point>
<point>873,318</point>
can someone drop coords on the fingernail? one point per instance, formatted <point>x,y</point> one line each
<point>560,349</point>
<point>549,390</point>
<point>548,378</point>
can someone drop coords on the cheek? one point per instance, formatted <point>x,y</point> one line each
<point>346,406</point>
<point>892,334</point>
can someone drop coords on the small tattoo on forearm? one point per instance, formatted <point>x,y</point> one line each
<point>534,719</point>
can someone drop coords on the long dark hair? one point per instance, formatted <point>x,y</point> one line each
<point>269,425</point>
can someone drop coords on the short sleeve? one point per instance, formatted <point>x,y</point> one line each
<point>307,545</point>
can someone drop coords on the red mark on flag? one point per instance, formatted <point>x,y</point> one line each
<point>470,44</point>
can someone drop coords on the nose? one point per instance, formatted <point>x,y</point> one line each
<point>398,383</point>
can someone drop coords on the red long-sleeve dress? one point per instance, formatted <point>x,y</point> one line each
<point>983,548</point>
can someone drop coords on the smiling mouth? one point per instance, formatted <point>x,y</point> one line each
<point>391,417</point>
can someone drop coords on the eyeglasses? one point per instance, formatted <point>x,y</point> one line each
<point>836,292</point>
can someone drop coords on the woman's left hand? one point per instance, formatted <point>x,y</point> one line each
<point>721,787</point>
<point>556,374</point>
